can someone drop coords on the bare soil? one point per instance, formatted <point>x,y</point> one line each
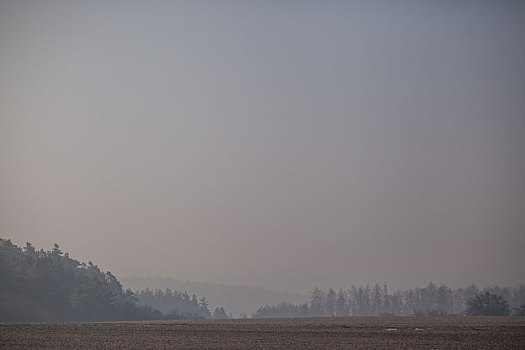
<point>455,332</point>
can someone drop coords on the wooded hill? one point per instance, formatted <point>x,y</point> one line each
<point>38,285</point>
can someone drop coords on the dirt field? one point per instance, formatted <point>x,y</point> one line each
<point>307,333</point>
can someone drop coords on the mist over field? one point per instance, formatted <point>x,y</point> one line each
<point>238,300</point>
<point>271,145</point>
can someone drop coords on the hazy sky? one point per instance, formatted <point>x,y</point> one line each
<point>283,144</point>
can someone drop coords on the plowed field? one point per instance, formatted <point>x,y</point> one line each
<point>306,333</point>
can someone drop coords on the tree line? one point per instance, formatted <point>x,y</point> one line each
<point>38,285</point>
<point>432,300</point>
<point>168,301</point>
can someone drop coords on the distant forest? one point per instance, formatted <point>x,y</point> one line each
<point>238,300</point>
<point>431,300</point>
<point>169,301</point>
<point>38,285</point>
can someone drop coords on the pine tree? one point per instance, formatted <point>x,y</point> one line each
<point>204,311</point>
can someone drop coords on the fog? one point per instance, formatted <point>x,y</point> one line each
<point>278,144</point>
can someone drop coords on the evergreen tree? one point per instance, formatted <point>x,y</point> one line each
<point>376,300</point>
<point>204,311</point>
<point>341,306</point>
<point>219,313</point>
<point>330,303</point>
<point>51,286</point>
<point>317,302</point>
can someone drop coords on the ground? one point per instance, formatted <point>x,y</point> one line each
<point>297,333</point>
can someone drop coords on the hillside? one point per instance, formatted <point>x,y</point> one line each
<point>38,285</point>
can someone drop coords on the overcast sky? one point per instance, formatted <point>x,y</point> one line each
<point>283,144</point>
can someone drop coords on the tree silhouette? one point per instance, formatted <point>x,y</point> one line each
<point>427,301</point>
<point>519,311</point>
<point>219,313</point>
<point>38,285</point>
<point>317,303</point>
<point>204,311</point>
<point>487,304</point>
